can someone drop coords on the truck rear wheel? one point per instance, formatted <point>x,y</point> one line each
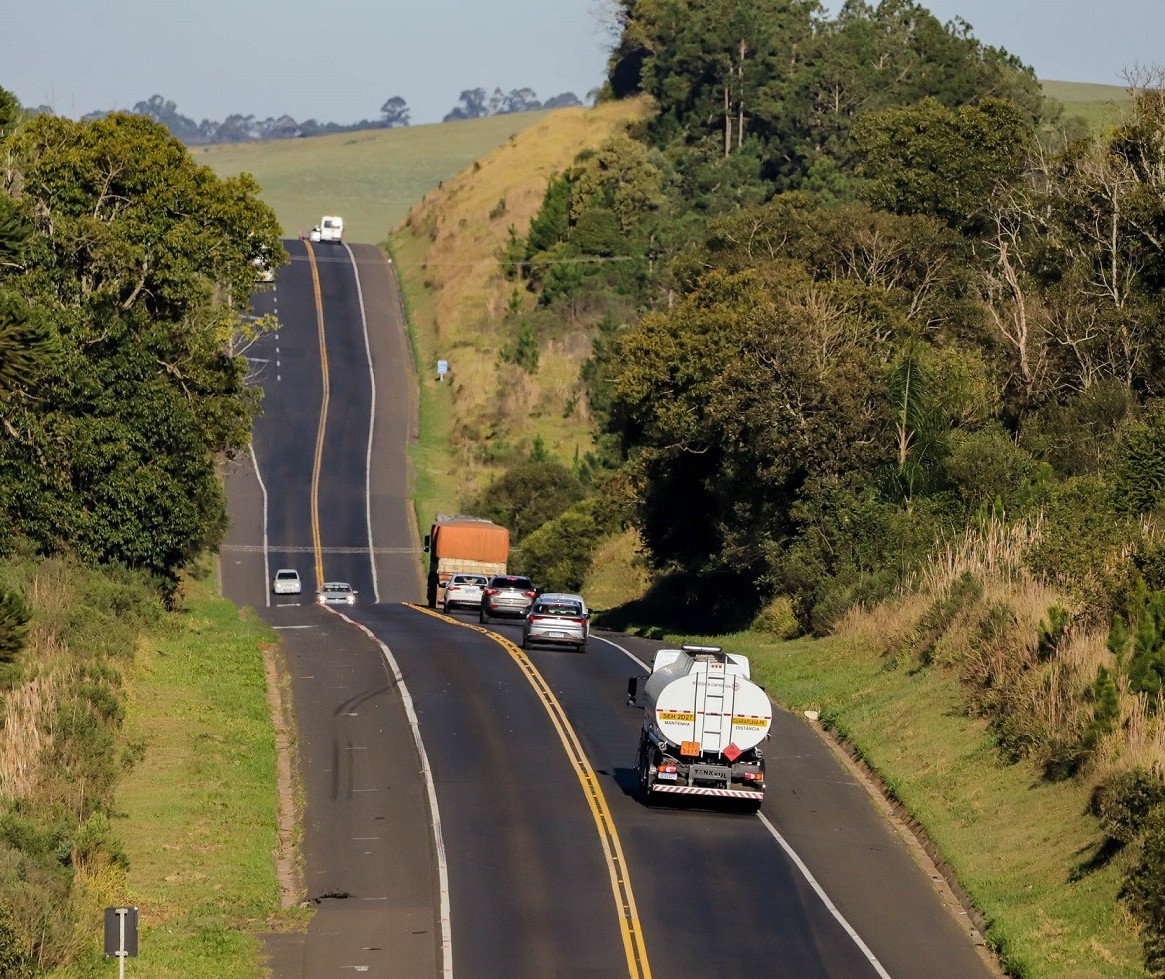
<point>644,774</point>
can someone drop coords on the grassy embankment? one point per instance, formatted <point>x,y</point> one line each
<point>487,412</point>
<point>199,812</point>
<point>138,767</point>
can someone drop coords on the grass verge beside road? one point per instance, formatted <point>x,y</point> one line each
<point>200,810</point>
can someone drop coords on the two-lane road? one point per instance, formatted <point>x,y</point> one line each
<point>536,859</point>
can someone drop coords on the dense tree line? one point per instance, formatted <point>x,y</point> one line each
<point>856,288</point>
<point>473,103</point>
<point>125,280</point>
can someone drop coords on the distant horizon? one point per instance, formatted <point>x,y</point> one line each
<point>582,97</point>
<point>340,64</point>
<point>437,122</point>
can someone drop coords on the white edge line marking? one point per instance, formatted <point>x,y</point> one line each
<point>266,558</point>
<point>371,426</point>
<point>849,929</point>
<point>792,854</point>
<point>626,652</point>
<point>430,789</point>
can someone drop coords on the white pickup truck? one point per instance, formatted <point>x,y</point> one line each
<point>331,228</point>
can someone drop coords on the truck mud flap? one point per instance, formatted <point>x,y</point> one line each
<point>702,790</point>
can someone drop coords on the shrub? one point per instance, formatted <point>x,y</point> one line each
<point>1146,668</point>
<point>558,554</point>
<point>988,465</point>
<point>1077,437</point>
<point>1125,803</point>
<point>14,619</point>
<point>1144,892</point>
<point>778,619</point>
<point>1140,468</point>
<point>1106,712</point>
<point>526,496</point>
<point>1081,531</point>
<point>14,964</point>
<point>1051,633</point>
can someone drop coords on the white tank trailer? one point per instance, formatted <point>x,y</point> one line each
<point>703,723</point>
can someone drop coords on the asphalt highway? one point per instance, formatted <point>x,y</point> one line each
<point>537,859</point>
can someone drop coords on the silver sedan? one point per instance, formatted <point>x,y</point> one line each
<point>557,620</point>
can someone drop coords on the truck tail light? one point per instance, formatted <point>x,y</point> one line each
<point>666,766</point>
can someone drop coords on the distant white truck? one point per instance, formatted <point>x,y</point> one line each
<point>331,228</point>
<point>703,723</point>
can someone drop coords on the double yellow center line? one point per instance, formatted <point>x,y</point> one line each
<point>629,926</point>
<point>317,464</point>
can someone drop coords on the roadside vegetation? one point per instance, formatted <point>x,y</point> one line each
<point>862,385</point>
<point>446,253</point>
<point>137,760</point>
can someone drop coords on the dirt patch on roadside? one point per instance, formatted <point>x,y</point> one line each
<point>287,855</point>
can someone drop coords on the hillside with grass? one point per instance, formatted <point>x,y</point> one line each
<point>488,412</point>
<point>1097,105</point>
<point>369,178</point>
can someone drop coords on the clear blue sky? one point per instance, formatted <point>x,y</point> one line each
<point>338,61</point>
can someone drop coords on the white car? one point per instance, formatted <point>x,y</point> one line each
<point>336,593</point>
<point>315,234</point>
<point>287,582</point>
<point>464,590</point>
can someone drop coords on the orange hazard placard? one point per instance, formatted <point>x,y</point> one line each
<point>689,748</point>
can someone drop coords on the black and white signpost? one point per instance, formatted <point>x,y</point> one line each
<point>121,936</point>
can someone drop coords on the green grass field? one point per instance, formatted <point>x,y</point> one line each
<point>1098,105</point>
<point>369,178</point>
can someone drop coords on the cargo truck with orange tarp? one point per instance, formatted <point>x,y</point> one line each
<point>460,543</point>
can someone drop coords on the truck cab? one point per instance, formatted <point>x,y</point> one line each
<point>331,228</point>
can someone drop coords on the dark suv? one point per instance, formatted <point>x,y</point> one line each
<point>507,594</point>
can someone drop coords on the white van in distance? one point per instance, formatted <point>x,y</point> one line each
<point>331,228</point>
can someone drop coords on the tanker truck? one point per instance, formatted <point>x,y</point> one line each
<point>466,544</point>
<point>703,723</point>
